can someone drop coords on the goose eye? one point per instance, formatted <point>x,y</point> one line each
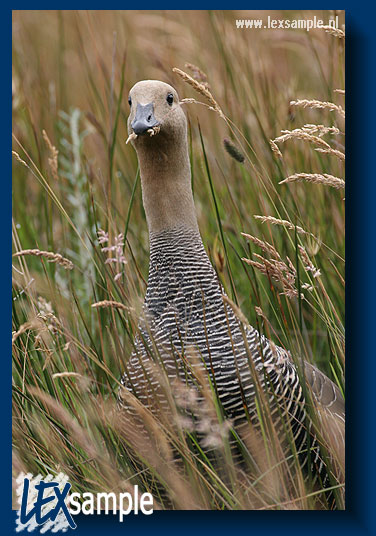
<point>129,101</point>
<point>170,98</point>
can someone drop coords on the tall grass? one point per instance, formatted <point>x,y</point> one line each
<point>77,204</point>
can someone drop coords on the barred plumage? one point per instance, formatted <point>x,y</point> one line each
<point>184,307</point>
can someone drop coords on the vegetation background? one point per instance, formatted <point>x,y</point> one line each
<point>76,190</point>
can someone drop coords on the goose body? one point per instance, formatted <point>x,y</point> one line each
<point>184,306</point>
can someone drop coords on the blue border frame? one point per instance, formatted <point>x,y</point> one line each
<point>360,198</point>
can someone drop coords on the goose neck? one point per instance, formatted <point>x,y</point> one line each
<point>166,186</point>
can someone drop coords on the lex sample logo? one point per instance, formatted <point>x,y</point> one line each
<point>44,503</point>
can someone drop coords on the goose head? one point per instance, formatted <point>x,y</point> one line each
<point>157,128</point>
<point>154,104</point>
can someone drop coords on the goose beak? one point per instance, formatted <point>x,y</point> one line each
<point>144,119</point>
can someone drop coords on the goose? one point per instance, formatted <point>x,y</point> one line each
<point>184,303</point>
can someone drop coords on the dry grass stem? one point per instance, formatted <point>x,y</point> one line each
<point>284,223</point>
<point>66,375</point>
<point>260,312</point>
<point>265,246</point>
<point>198,74</point>
<point>337,32</point>
<point>200,88</point>
<point>306,103</point>
<point>333,152</point>
<point>116,248</point>
<point>131,137</point>
<point>321,130</point>
<point>64,417</point>
<point>237,311</point>
<point>33,324</point>
<point>153,131</point>
<point>300,134</point>
<point>49,255</point>
<point>316,178</point>
<point>340,91</point>
<point>308,263</point>
<point>275,148</point>
<point>19,159</point>
<point>189,100</point>
<point>54,153</point>
<point>113,304</point>
<point>277,270</point>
